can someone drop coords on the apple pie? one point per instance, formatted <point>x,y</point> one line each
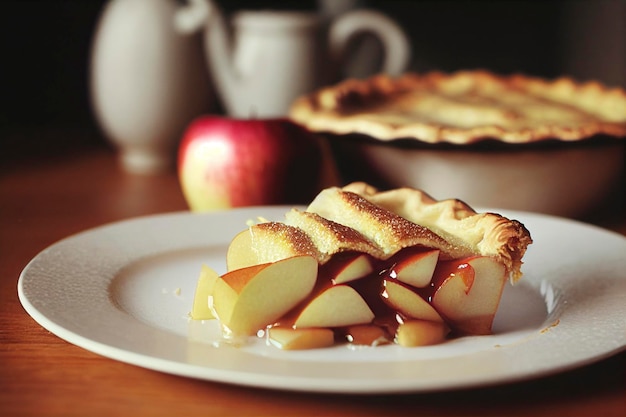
<point>465,107</point>
<point>365,267</point>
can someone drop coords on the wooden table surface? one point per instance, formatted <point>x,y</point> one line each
<point>50,195</point>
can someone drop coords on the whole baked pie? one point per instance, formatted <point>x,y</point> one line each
<point>465,107</point>
<point>512,142</point>
<point>365,267</point>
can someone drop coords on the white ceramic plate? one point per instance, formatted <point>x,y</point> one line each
<point>124,291</point>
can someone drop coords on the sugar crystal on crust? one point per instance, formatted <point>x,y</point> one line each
<point>331,237</point>
<point>388,230</point>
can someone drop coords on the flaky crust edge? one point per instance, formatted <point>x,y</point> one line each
<point>322,111</point>
<point>489,234</point>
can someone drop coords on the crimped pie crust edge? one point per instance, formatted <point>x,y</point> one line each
<point>335,109</point>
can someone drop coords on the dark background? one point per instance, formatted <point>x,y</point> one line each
<point>45,45</point>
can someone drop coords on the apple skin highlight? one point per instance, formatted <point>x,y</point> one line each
<point>225,163</point>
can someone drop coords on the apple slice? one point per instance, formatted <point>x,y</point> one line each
<point>407,302</point>
<point>469,295</point>
<point>200,309</point>
<point>297,339</point>
<point>248,299</point>
<point>352,268</point>
<point>421,333</point>
<point>417,268</point>
<point>337,306</point>
<point>367,334</point>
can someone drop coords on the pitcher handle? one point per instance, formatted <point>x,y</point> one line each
<point>396,45</point>
<point>192,16</point>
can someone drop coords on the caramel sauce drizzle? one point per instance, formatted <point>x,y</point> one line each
<point>386,320</point>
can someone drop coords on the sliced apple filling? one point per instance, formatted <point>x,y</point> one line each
<point>365,267</point>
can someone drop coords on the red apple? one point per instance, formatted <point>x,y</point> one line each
<point>224,163</point>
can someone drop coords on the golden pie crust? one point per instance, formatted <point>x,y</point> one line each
<point>487,234</point>
<point>360,218</point>
<point>465,107</point>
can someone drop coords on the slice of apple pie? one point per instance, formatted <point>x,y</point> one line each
<point>366,267</point>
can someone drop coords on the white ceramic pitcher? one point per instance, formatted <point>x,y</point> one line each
<point>275,56</point>
<point>148,81</point>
